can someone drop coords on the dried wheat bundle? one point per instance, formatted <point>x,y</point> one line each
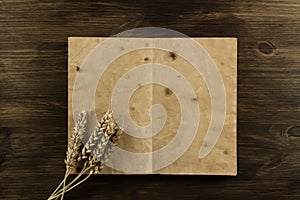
<point>93,154</point>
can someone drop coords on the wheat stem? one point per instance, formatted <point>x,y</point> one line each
<point>79,182</point>
<point>57,188</point>
<point>67,190</point>
<point>59,193</point>
<point>65,179</point>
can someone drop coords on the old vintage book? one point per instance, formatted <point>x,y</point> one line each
<point>175,99</point>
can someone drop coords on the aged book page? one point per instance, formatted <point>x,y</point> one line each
<point>161,149</point>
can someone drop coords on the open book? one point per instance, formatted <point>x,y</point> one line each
<point>174,98</point>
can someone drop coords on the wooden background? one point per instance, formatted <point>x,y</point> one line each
<point>33,95</point>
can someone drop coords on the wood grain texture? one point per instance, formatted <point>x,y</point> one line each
<point>33,95</point>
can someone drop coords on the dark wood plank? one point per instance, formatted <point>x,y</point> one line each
<point>33,94</point>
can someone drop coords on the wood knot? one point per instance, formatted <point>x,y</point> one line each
<point>266,47</point>
<point>293,131</point>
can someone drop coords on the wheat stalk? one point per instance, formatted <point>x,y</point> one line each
<point>75,143</point>
<point>74,147</point>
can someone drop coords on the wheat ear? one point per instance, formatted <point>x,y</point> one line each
<point>75,143</point>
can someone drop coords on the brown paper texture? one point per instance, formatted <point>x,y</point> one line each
<point>222,160</point>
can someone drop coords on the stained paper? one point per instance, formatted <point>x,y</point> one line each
<point>175,99</point>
